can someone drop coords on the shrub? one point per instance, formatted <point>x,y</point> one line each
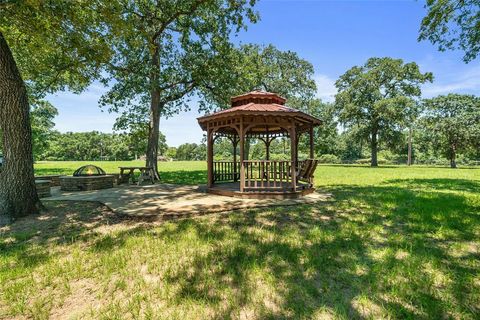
<point>329,158</point>
<point>368,160</point>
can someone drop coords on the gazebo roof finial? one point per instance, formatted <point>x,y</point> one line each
<point>258,97</point>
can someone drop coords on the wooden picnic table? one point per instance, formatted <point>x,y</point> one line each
<point>146,173</point>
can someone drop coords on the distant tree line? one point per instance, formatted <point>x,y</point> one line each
<point>444,130</point>
<point>94,145</point>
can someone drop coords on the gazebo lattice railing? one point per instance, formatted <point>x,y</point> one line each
<point>263,116</point>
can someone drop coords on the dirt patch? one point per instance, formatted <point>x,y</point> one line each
<point>82,298</point>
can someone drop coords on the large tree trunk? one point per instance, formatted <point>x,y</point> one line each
<point>18,195</point>
<point>153,133</point>
<point>453,157</point>
<point>374,147</point>
<point>155,112</point>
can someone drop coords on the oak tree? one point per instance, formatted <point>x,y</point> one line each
<point>164,50</point>
<point>376,98</point>
<point>452,123</point>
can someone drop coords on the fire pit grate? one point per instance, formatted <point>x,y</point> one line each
<point>89,170</point>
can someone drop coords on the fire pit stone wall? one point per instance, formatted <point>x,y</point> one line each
<point>86,183</point>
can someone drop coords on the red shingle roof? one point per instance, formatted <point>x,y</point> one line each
<point>262,107</point>
<point>258,103</point>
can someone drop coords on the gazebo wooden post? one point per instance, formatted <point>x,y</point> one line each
<point>311,142</point>
<point>242,155</point>
<point>210,157</point>
<point>293,153</point>
<point>297,139</point>
<point>235,143</point>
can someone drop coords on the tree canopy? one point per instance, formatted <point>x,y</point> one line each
<point>376,98</point>
<point>265,68</point>
<point>453,24</point>
<point>42,116</point>
<point>163,50</point>
<point>57,45</point>
<point>453,124</point>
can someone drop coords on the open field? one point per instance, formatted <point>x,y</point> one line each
<point>173,172</point>
<point>394,242</point>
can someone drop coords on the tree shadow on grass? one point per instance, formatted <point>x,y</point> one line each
<point>390,250</point>
<point>439,230</point>
<point>373,252</point>
<point>439,184</point>
<point>379,251</point>
<point>62,222</point>
<point>396,166</point>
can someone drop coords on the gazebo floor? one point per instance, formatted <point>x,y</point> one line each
<point>232,189</point>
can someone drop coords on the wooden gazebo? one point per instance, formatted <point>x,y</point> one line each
<point>261,115</point>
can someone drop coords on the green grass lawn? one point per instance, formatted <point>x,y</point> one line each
<point>179,172</point>
<point>393,242</point>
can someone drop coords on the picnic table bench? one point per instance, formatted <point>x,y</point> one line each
<point>127,173</point>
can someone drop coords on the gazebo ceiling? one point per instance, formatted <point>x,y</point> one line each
<point>262,111</point>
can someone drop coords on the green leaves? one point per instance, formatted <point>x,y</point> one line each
<point>378,97</point>
<point>452,24</point>
<point>168,49</point>
<point>56,44</point>
<point>379,92</point>
<point>41,118</point>
<point>453,123</point>
<point>254,67</point>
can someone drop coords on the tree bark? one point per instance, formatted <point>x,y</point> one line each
<point>453,157</point>
<point>374,147</point>
<point>18,194</point>
<point>153,133</point>
<point>155,112</point>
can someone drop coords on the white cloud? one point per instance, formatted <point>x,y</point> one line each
<point>452,81</point>
<point>325,87</point>
<point>464,82</point>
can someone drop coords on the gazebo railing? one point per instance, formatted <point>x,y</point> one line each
<point>267,174</point>
<point>226,171</point>
<point>259,174</point>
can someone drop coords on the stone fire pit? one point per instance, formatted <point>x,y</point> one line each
<point>87,178</point>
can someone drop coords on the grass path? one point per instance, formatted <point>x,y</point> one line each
<point>395,242</point>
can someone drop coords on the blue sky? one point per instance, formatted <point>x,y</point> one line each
<point>332,35</point>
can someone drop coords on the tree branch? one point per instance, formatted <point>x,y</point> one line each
<point>175,16</point>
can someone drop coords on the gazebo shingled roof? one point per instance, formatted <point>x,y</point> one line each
<point>258,103</point>
<point>265,116</point>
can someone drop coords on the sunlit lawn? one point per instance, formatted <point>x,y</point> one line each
<point>172,172</point>
<point>394,242</point>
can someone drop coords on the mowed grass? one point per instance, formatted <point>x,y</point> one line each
<point>178,172</point>
<point>393,242</point>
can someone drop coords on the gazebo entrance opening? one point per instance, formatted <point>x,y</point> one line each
<point>260,115</point>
